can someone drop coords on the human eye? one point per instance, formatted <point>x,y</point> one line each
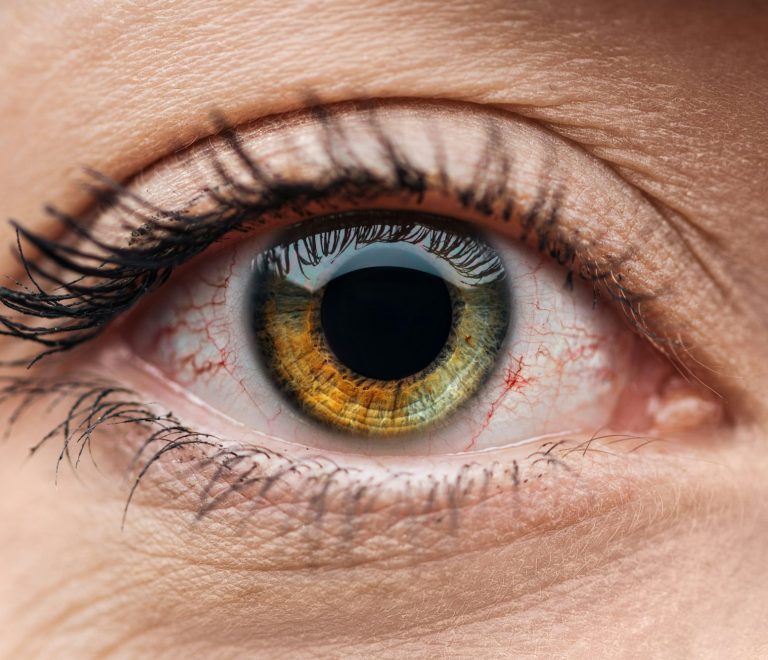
<point>359,305</point>
<point>383,329</point>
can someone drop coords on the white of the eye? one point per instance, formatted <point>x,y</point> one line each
<point>569,353</point>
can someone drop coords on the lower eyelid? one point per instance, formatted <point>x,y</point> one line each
<point>545,483</point>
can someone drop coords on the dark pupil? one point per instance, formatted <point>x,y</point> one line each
<point>386,322</point>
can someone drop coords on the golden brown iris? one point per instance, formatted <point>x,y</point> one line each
<point>288,296</point>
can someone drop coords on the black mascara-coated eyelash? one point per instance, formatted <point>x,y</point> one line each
<point>78,289</point>
<point>333,234</point>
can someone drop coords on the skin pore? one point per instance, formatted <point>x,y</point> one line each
<point>669,98</point>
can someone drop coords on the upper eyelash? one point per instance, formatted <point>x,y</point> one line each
<point>83,288</point>
<point>472,260</point>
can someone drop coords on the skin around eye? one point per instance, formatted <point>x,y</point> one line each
<point>570,373</point>
<point>166,394</point>
<point>561,547</point>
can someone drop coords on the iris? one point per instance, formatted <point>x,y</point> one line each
<point>379,323</point>
<point>386,323</point>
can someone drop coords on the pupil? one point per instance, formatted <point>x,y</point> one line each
<point>385,322</point>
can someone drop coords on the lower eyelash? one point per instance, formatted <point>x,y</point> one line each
<point>244,472</point>
<point>80,289</point>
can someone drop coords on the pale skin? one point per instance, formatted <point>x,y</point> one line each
<point>671,97</point>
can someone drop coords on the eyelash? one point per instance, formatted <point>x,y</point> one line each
<point>95,282</point>
<point>167,239</point>
<point>253,471</point>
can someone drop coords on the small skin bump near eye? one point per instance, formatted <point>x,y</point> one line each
<point>665,403</point>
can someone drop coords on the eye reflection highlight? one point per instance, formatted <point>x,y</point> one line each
<point>380,323</point>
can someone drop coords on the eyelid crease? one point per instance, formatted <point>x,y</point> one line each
<point>158,245</point>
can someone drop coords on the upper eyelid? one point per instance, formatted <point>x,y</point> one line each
<point>52,230</point>
<point>119,194</point>
<point>667,214</point>
<point>607,271</point>
<point>218,122</point>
